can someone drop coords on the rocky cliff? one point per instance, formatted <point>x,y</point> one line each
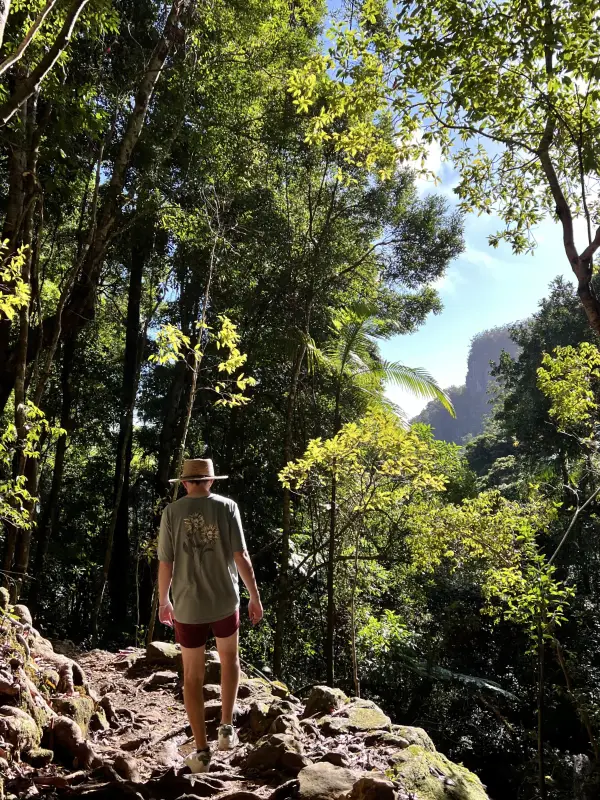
<point>472,400</point>
<point>103,726</point>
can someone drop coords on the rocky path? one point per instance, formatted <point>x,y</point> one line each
<point>102,725</point>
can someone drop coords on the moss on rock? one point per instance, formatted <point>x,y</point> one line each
<point>431,776</point>
<point>19,729</point>
<point>414,736</point>
<point>79,709</point>
<point>38,757</point>
<point>164,653</point>
<point>367,718</point>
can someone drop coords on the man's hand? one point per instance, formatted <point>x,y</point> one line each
<point>165,614</point>
<point>255,610</point>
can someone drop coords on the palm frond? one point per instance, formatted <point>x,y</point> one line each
<point>379,400</point>
<point>417,381</point>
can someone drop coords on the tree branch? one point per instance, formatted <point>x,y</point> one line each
<point>39,20</point>
<point>33,80</point>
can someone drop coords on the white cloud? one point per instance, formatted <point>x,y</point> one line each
<point>449,282</point>
<point>429,167</point>
<point>482,258</point>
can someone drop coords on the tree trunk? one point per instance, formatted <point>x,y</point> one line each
<point>578,703</point>
<point>4,11</point>
<point>353,619</point>
<point>540,716</point>
<point>121,568</point>
<point>283,594</point>
<point>17,167</point>
<point>18,540</point>
<point>134,343</point>
<point>330,634</point>
<point>329,641</point>
<point>48,527</point>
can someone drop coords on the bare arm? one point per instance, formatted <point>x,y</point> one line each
<point>165,576</point>
<point>244,566</point>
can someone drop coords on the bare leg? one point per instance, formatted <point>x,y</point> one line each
<point>230,675</point>
<point>193,694</point>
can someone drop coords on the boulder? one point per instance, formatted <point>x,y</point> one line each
<point>4,598</point>
<point>333,757</point>
<point>333,726</point>
<point>372,787</point>
<point>364,715</point>
<point>277,751</point>
<point>64,647</point>
<point>19,729</point>
<point>161,680</point>
<point>23,614</point>
<point>212,691</point>
<point>356,716</point>
<point>431,776</point>
<point>127,659</point>
<point>259,718</point>
<point>38,757</point>
<point>414,736</point>
<point>79,708</point>
<point>126,767</point>
<point>254,688</point>
<point>279,689</point>
<point>286,723</point>
<point>212,667</point>
<point>324,781</point>
<point>323,700</point>
<point>393,740</point>
<point>164,653</point>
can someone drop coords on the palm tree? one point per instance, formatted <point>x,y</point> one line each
<point>352,355</point>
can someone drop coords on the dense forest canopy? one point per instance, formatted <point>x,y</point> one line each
<point>210,223</point>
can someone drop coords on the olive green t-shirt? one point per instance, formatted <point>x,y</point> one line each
<point>199,536</point>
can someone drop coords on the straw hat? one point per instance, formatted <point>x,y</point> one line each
<point>198,469</point>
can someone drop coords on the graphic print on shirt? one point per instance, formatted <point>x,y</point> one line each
<point>199,536</point>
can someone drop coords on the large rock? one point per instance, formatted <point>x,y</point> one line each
<point>414,736</point>
<point>79,708</point>
<point>164,654</point>
<point>356,716</point>
<point>38,757</point>
<point>286,723</point>
<point>19,729</point>
<point>4,598</point>
<point>254,689</point>
<point>212,667</point>
<point>212,691</point>
<point>364,715</point>
<point>163,679</point>
<point>278,751</point>
<point>23,614</point>
<point>324,781</point>
<point>372,787</point>
<point>323,700</point>
<point>431,776</point>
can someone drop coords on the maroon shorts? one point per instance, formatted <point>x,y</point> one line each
<point>190,635</point>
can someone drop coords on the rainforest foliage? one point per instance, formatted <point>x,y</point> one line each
<point>211,221</point>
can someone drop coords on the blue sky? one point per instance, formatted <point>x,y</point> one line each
<point>485,287</point>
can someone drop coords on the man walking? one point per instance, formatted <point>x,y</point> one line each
<point>201,550</point>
